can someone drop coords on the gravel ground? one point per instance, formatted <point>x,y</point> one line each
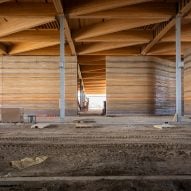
<point>126,149</point>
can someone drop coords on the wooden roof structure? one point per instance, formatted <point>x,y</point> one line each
<point>93,30</point>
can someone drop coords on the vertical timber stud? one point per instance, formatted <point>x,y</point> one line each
<point>178,70</point>
<point>62,70</point>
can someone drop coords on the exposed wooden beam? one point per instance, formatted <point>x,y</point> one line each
<point>185,34</point>
<point>49,51</point>
<point>33,36</point>
<point>183,11</point>
<point>101,46</point>
<point>101,5</point>
<point>90,59</point>
<point>29,46</point>
<point>11,9</point>
<point>139,11</point>
<point>69,37</point>
<point>134,50</point>
<point>168,48</point>
<point>58,6</point>
<point>122,36</point>
<point>93,63</point>
<point>112,26</point>
<point>59,9</point>
<point>13,25</point>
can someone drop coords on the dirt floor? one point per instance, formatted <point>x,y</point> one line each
<point>120,154</point>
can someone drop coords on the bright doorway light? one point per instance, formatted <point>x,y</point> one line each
<point>96,101</point>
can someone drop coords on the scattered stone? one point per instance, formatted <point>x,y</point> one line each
<point>28,162</point>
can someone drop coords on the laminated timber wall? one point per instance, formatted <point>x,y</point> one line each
<point>187,82</point>
<point>32,83</point>
<point>140,85</point>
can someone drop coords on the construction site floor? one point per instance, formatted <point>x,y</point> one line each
<point>121,153</point>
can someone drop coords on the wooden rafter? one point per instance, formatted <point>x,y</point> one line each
<point>11,9</point>
<point>60,10</point>
<point>122,36</point>
<point>101,46</point>
<point>29,46</point>
<point>138,11</point>
<point>134,50</point>
<point>185,34</point>
<point>112,26</point>
<point>183,11</point>
<point>13,25</point>
<point>168,48</point>
<point>33,36</point>
<point>50,51</point>
<point>100,5</point>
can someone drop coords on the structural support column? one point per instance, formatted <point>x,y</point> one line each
<point>178,70</point>
<point>62,71</point>
<point>81,94</point>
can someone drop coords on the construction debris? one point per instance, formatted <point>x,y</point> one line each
<point>87,125</point>
<point>84,121</point>
<point>41,125</point>
<point>28,162</point>
<point>165,126</point>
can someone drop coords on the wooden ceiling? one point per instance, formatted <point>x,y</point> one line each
<point>93,30</point>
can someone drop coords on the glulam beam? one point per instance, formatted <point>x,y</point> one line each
<point>112,26</point>
<point>139,11</point>
<point>182,12</point>
<point>13,25</point>
<point>27,10</point>
<point>101,5</point>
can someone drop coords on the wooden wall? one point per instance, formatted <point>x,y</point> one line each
<point>187,82</point>
<point>32,83</point>
<point>140,85</point>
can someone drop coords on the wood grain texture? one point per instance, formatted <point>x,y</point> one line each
<point>32,82</point>
<point>187,80</point>
<point>140,85</point>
